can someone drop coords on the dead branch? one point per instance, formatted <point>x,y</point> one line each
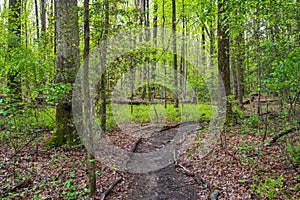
<point>165,128</point>
<point>283,133</point>
<point>104,194</point>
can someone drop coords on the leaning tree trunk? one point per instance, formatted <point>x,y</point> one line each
<point>67,64</point>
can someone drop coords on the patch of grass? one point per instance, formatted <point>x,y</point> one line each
<point>294,151</point>
<point>153,112</point>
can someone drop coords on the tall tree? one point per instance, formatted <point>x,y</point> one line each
<point>67,64</point>
<point>87,104</point>
<point>13,76</point>
<point>102,89</point>
<point>223,52</point>
<point>43,16</point>
<point>240,69</point>
<point>37,19</point>
<point>175,62</point>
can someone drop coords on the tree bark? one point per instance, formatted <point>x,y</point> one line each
<point>223,54</point>
<point>37,19</point>
<point>182,58</point>
<point>43,17</point>
<point>13,76</point>
<point>240,70</point>
<point>90,159</point>
<point>67,64</point>
<point>175,62</point>
<point>103,76</point>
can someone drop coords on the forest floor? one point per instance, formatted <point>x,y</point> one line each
<point>240,166</point>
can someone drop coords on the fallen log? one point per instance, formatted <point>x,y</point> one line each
<point>279,135</point>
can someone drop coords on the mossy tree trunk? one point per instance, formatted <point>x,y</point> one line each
<point>67,64</point>
<point>13,75</point>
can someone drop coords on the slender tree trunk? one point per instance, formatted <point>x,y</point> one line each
<point>25,25</point>
<point>103,62</point>
<point>223,53</point>
<point>43,17</point>
<point>211,39</point>
<point>182,58</point>
<point>164,61</point>
<point>89,155</point>
<point>37,19</point>
<point>257,37</point>
<point>67,63</point>
<point>155,18</point>
<point>234,78</point>
<point>175,52</point>
<point>240,70</point>
<point>55,26</point>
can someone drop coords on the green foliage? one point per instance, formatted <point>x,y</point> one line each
<point>294,150</point>
<point>26,122</point>
<point>146,113</point>
<point>250,123</point>
<point>269,188</point>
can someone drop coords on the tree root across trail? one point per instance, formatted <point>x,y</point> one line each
<point>174,182</point>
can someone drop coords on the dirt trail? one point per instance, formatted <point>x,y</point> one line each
<point>166,183</point>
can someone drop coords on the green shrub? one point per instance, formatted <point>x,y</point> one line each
<point>294,151</point>
<point>269,188</point>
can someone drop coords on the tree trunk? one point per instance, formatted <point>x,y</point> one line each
<point>240,70</point>
<point>37,19</point>
<point>182,58</point>
<point>164,61</point>
<point>90,164</point>
<point>43,17</point>
<point>67,64</point>
<point>13,76</point>
<point>103,77</point>
<point>223,54</point>
<point>234,78</point>
<point>175,53</point>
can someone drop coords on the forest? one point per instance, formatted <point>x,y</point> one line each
<point>150,99</point>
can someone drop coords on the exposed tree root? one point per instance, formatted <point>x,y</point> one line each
<point>200,181</point>
<point>104,194</point>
